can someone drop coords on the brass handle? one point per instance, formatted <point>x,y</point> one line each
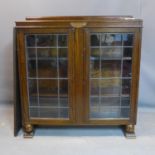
<point>78,24</point>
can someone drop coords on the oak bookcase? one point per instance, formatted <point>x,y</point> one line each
<point>77,71</point>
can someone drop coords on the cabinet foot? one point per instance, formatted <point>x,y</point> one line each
<point>28,135</point>
<point>130,131</point>
<point>130,135</point>
<point>28,131</point>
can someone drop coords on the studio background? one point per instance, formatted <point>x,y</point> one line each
<point>11,11</point>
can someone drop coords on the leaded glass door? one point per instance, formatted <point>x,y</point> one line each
<point>109,75</point>
<point>49,76</point>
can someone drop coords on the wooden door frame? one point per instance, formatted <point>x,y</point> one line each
<point>23,75</point>
<point>134,81</point>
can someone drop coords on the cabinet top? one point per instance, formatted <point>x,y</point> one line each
<point>90,21</point>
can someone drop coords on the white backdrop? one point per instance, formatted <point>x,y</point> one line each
<point>11,11</point>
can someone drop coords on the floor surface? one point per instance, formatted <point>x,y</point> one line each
<point>78,141</point>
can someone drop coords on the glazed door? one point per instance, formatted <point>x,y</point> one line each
<point>46,75</point>
<point>110,75</point>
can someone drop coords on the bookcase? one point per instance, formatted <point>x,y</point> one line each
<point>77,71</point>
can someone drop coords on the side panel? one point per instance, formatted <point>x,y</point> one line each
<point>17,101</point>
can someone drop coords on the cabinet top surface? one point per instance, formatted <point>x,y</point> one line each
<point>121,21</point>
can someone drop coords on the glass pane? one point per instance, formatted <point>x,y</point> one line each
<point>125,112</point>
<point>64,113</point>
<point>95,69</point>
<point>111,68</point>
<point>34,112</point>
<point>95,53</point>
<point>105,112</point>
<point>110,74</point>
<point>63,88</point>
<point>110,101</point>
<point>62,40</point>
<point>63,101</point>
<point>47,64</point>
<point>109,107</point>
<point>94,87</point>
<point>46,40</point>
<point>128,52</point>
<point>110,87</point>
<point>47,53</point>
<point>94,101</point>
<point>126,84</point>
<point>95,40</point>
<point>48,95</point>
<point>127,39</point>
<point>111,53</point>
<point>63,68</point>
<point>110,39</point>
<point>47,68</point>
<point>49,112</point>
<point>48,88</point>
<point>33,94</point>
<point>47,100</point>
<point>31,68</point>
<point>127,68</point>
<point>30,40</point>
<point>31,53</point>
<point>63,53</point>
<point>126,101</point>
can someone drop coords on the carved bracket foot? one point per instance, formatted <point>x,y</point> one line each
<point>130,131</point>
<point>28,131</point>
